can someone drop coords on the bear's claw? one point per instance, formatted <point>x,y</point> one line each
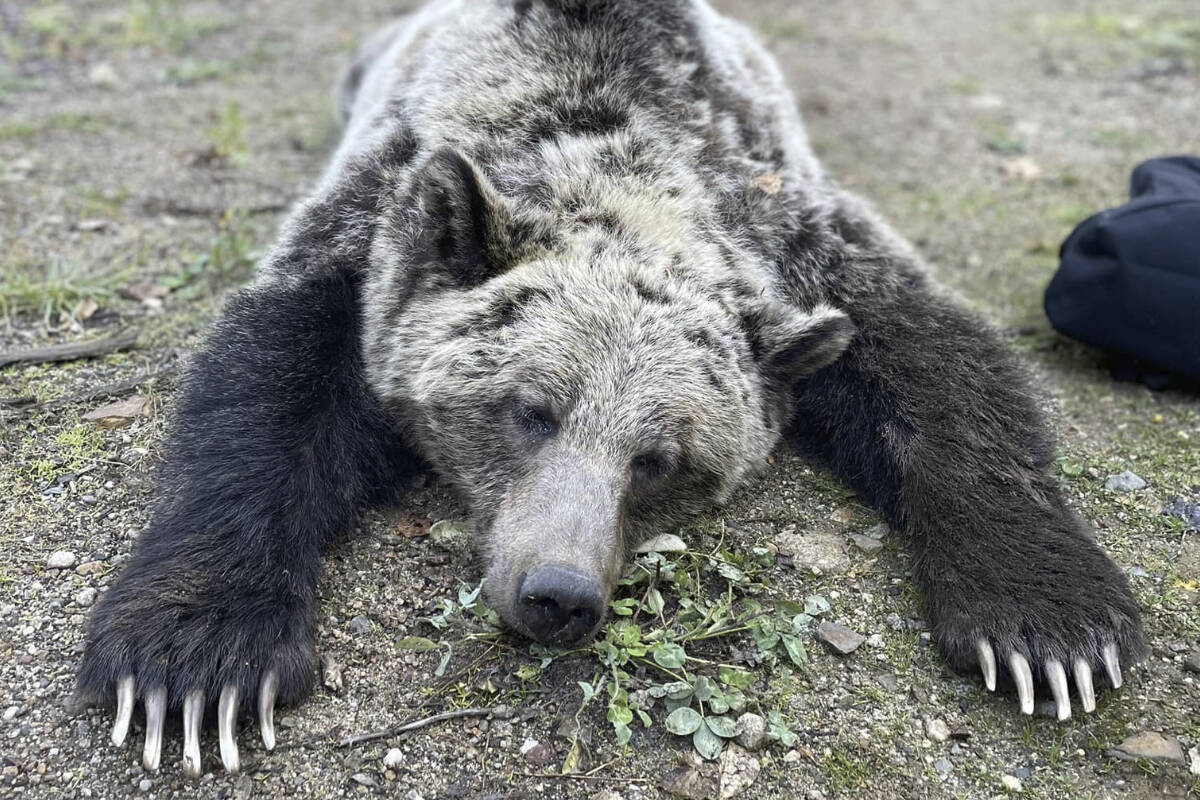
<point>1112,665</point>
<point>125,701</point>
<point>1055,674</point>
<point>156,715</point>
<point>227,727</point>
<point>193,718</point>
<point>1023,677</point>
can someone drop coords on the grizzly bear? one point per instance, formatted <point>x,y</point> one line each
<point>577,258</point>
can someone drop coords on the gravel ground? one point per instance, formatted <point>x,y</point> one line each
<point>985,131</point>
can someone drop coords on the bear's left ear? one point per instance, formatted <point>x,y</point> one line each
<point>461,226</point>
<point>790,343</point>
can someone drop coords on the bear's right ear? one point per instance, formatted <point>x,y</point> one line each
<point>790,343</point>
<point>460,225</point>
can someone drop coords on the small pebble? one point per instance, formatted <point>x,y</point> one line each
<point>144,784</point>
<point>393,758</point>
<point>85,597</point>
<point>752,731</point>
<point>867,544</point>
<point>937,730</point>
<point>943,766</point>
<point>1125,482</point>
<point>1011,784</point>
<point>61,559</point>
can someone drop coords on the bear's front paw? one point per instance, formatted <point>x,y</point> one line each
<point>1036,608</point>
<point>192,640</point>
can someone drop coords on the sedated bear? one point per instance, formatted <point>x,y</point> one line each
<point>578,258</point>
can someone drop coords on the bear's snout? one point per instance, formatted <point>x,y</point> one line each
<point>559,605</point>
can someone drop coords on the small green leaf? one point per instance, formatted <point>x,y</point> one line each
<point>467,596</point>
<point>624,733</point>
<point>571,762</point>
<point>623,607</point>
<point>589,691</point>
<point>815,605</point>
<point>732,676</point>
<point>441,667</point>
<point>801,623</point>
<point>654,601</point>
<point>674,704</point>
<point>644,717</point>
<point>683,721</point>
<point>787,608</point>
<point>669,656</point>
<point>678,690</point>
<point>704,689</point>
<point>730,573</point>
<point>620,715</point>
<point>417,644</point>
<point>721,726</point>
<point>718,705</point>
<point>795,650</point>
<point>707,743</point>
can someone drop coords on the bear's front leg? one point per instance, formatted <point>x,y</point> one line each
<point>276,442</point>
<point>931,417</point>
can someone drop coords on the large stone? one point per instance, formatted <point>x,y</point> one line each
<point>752,731</point>
<point>690,783</point>
<point>1149,746</point>
<point>819,550</point>
<point>840,639</point>
<point>739,769</point>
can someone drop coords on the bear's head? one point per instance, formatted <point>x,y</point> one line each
<point>583,391</point>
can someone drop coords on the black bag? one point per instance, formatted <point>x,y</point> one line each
<point>1129,281</point>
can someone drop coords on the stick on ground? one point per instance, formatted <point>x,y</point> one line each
<point>122,340</point>
<point>497,711</point>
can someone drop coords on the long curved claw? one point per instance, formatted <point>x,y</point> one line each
<point>1083,684</point>
<point>193,716</point>
<point>125,700</point>
<point>266,708</point>
<point>156,715</point>
<point>987,663</point>
<point>227,709</point>
<point>1112,665</point>
<point>1023,677</point>
<point>1057,677</point>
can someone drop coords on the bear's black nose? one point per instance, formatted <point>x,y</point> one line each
<point>559,605</point>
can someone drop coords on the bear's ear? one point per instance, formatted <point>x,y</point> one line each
<point>460,222</point>
<point>789,343</point>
